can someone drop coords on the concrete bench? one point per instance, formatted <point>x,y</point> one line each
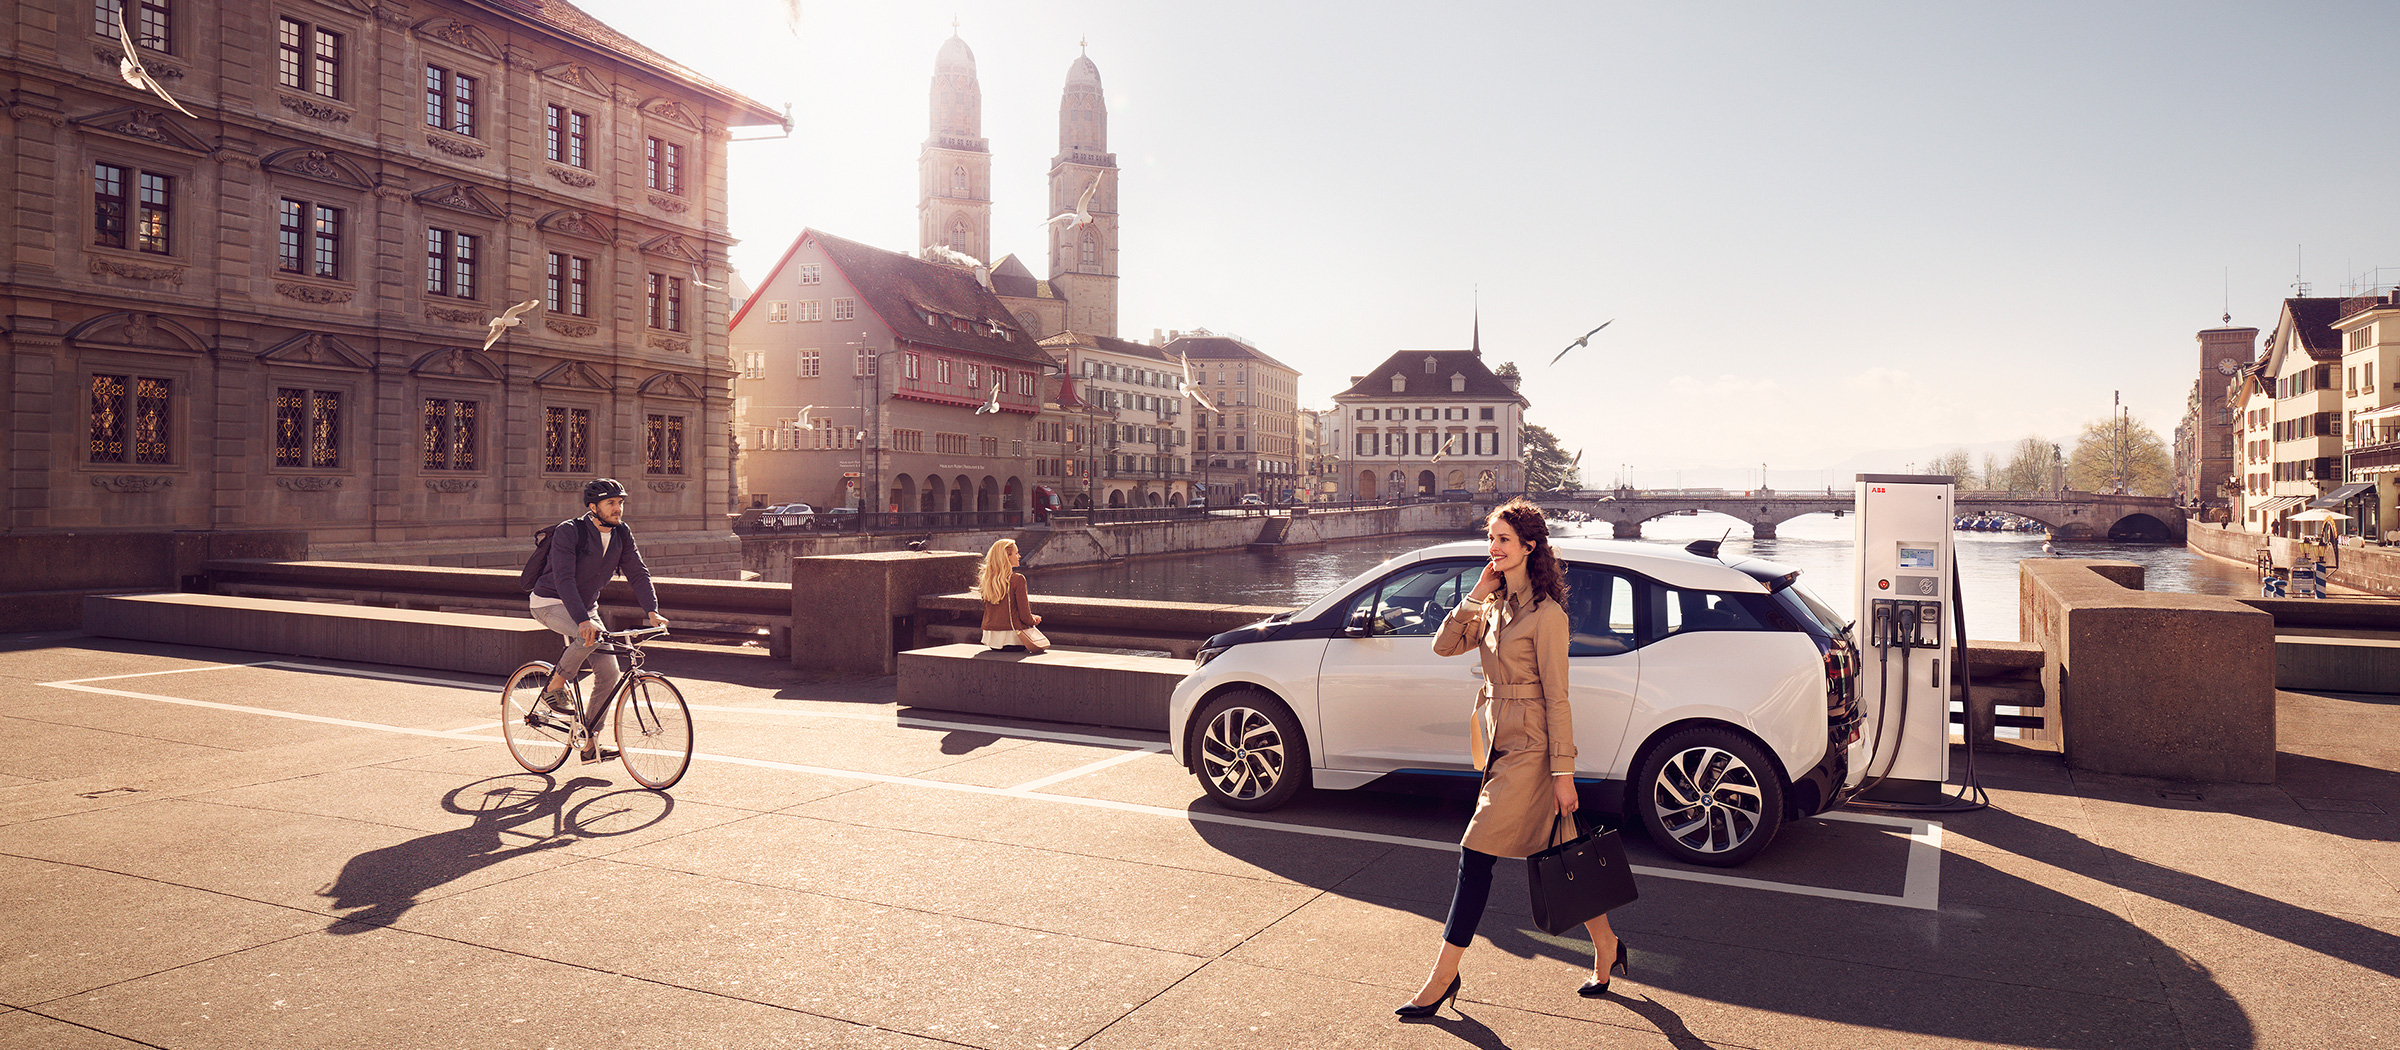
<point>2336,661</point>
<point>493,645</point>
<point>1061,685</point>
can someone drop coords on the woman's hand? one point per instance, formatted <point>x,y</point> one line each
<point>1564,788</point>
<point>1037,619</point>
<point>1489,583</point>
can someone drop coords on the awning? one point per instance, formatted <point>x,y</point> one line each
<point>2343,495</point>
<point>2274,507</point>
<point>2373,414</point>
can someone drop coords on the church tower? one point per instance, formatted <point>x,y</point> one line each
<point>954,173</point>
<point>1083,259</point>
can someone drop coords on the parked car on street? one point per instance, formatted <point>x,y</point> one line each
<point>833,518</point>
<point>1252,500</point>
<point>1713,700</point>
<point>788,516</point>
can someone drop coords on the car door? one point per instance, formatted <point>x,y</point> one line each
<point>1384,701</point>
<point>1604,661</point>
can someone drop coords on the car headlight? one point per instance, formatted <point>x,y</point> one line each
<point>1208,654</point>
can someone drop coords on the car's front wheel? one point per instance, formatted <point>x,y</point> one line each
<point>1709,796</point>
<point>1248,751</point>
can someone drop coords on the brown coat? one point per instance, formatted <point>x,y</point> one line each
<point>1015,614</point>
<point>1521,711</point>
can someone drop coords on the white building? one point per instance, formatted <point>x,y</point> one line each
<point>1426,422</point>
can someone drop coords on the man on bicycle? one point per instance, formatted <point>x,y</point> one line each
<point>584,553</point>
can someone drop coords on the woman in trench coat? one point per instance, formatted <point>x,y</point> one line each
<point>1522,735</point>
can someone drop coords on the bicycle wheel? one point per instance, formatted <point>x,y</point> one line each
<point>537,736</point>
<point>654,732</point>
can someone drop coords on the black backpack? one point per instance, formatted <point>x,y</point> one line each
<point>540,562</point>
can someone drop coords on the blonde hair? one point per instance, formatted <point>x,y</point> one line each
<point>991,576</point>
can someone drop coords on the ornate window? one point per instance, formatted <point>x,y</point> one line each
<point>148,24</point>
<point>666,302</point>
<point>449,429</point>
<point>662,444</point>
<point>568,277</point>
<point>139,404</point>
<point>450,263</point>
<point>309,239</point>
<point>449,100</point>
<point>150,207</point>
<point>308,427</point>
<point>308,58</point>
<point>958,181</point>
<point>663,162</point>
<point>1091,252</point>
<point>567,440</point>
<point>567,136</point>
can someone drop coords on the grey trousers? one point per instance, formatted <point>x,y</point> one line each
<point>604,666</point>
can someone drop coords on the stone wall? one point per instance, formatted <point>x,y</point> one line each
<point>44,577</point>
<point>2373,570</point>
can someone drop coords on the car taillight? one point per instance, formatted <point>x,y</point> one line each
<point>1841,688</point>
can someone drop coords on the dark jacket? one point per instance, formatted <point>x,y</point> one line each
<point>579,569</point>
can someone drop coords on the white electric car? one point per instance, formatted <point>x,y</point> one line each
<point>1713,700</point>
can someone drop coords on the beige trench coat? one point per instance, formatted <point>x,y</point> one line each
<point>1521,713</point>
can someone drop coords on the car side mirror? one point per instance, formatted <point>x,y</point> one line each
<point>1362,622</point>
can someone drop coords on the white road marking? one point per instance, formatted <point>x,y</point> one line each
<point>1920,885</point>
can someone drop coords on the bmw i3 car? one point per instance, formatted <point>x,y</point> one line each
<point>1714,700</point>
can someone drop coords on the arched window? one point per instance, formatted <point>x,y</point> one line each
<point>1091,251</point>
<point>958,235</point>
<point>958,181</point>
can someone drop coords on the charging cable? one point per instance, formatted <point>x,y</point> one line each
<point>1970,796</point>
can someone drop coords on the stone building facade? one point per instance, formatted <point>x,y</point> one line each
<point>1134,430</point>
<point>1426,422</point>
<point>272,315</point>
<point>1251,444</point>
<point>2206,440</point>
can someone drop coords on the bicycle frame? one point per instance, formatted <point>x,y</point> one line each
<point>625,644</point>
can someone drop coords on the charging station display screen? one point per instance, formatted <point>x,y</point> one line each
<point>1917,558</point>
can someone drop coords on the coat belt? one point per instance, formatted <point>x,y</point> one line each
<point>1504,691</point>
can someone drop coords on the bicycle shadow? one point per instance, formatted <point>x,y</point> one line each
<point>377,887</point>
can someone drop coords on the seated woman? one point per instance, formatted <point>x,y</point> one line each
<point>1009,624</point>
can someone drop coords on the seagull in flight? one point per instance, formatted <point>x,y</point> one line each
<point>1082,215</point>
<point>805,422</point>
<point>992,406</point>
<point>704,284</point>
<point>1585,341</point>
<point>1448,444</point>
<point>1188,390</point>
<point>506,321</point>
<point>130,67</point>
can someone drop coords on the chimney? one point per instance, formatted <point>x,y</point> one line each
<point>1511,381</point>
<point>1157,339</point>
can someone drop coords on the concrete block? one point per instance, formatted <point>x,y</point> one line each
<point>493,645</point>
<point>1055,686</point>
<point>2179,686</point>
<point>853,613</point>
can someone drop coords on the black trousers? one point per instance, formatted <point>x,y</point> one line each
<point>1467,901</point>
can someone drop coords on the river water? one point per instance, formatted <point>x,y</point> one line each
<point>1819,545</point>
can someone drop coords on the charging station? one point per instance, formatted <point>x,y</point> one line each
<point>1904,597</point>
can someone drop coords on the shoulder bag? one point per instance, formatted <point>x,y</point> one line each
<point>1579,880</point>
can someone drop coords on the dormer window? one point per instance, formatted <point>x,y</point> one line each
<point>1458,383</point>
<point>1429,364</point>
<point>1399,383</point>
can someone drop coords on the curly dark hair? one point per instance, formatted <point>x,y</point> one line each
<point>1542,572</point>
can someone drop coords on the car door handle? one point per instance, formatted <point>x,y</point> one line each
<point>1476,670</point>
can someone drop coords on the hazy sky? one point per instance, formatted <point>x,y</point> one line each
<point>1823,229</point>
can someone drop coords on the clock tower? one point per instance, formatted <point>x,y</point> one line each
<point>2209,444</point>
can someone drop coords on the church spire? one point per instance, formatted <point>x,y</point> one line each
<point>954,171</point>
<point>1478,344</point>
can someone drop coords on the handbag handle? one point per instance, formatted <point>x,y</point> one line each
<point>1557,817</point>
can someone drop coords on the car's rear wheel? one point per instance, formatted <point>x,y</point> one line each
<point>1248,751</point>
<point>1709,796</point>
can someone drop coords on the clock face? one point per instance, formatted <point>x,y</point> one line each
<point>2228,366</point>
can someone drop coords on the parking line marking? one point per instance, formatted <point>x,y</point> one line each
<point>171,670</point>
<point>1032,785</point>
<point>1920,885</point>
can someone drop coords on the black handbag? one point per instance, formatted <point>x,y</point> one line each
<point>1577,881</point>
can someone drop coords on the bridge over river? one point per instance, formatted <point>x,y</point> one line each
<point>2069,515</point>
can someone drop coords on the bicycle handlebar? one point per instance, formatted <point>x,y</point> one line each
<point>634,633</point>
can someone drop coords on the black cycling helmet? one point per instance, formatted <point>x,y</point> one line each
<point>602,488</point>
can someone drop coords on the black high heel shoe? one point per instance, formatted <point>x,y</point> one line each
<point>1412,1011</point>
<point>1596,989</point>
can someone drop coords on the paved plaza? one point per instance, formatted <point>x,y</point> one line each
<point>203,848</point>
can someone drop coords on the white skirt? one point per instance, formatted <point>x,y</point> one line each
<point>1000,639</point>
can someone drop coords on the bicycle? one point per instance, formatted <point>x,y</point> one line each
<point>654,740</point>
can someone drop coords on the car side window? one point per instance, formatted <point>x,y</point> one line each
<point>1413,601</point>
<point>1684,611</point>
<point>1600,612</point>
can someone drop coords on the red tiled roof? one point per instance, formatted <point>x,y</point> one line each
<point>902,289</point>
<point>1111,344</point>
<point>1219,348</point>
<point>2312,322</point>
<point>578,25</point>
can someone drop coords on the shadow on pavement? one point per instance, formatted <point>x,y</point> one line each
<point>383,884</point>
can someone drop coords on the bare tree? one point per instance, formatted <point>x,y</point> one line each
<point>2120,454</point>
<point>2028,469</point>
